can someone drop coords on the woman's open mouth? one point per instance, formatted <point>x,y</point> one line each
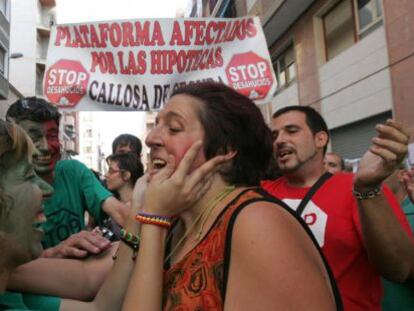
<point>40,218</point>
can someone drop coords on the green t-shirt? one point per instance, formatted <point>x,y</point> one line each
<point>400,297</point>
<point>76,190</point>
<point>17,302</point>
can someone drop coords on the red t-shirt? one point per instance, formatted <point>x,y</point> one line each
<point>332,215</point>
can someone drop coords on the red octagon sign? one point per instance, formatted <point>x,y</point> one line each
<point>250,75</point>
<point>66,83</point>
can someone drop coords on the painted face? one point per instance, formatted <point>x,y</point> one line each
<point>25,211</point>
<point>114,178</point>
<point>45,136</point>
<point>177,128</point>
<point>332,163</point>
<point>293,141</point>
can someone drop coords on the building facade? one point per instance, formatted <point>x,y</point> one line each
<point>4,47</point>
<point>30,33</point>
<point>352,60</point>
<point>89,142</point>
<point>8,93</point>
<point>31,22</point>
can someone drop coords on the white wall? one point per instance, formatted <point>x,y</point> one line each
<point>287,97</point>
<point>356,84</point>
<point>23,40</point>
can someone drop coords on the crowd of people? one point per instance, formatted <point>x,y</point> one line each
<point>208,226</point>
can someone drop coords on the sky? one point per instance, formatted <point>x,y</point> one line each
<point>74,11</point>
<point>111,124</point>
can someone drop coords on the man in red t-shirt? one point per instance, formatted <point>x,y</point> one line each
<point>357,221</point>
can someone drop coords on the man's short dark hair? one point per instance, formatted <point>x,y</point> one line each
<point>314,119</point>
<point>128,139</point>
<point>33,109</point>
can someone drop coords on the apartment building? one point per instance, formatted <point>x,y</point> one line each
<point>352,60</point>
<point>31,22</point>
<point>89,142</point>
<point>30,34</point>
<point>4,47</point>
<point>8,93</point>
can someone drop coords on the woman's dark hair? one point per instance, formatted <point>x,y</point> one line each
<point>128,162</point>
<point>232,122</point>
<point>127,139</point>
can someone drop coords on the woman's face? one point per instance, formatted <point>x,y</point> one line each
<point>114,177</point>
<point>23,211</point>
<point>177,128</point>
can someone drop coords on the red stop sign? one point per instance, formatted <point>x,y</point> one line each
<point>66,82</point>
<point>250,75</point>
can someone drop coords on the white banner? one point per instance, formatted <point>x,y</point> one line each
<point>135,65</point>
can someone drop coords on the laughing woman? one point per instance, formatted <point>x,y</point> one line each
<point>21,192</point>
<point>215,240</point>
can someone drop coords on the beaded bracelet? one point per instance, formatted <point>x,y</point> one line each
<point>130,240</point>
<point>128,237</point>
<point>157,220</point>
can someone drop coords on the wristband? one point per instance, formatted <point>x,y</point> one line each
<point>129,238</point>
<point>157,220</point>
<point>131,241</point>
<point>366,195</point>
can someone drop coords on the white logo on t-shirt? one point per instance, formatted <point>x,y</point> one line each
<point>314,217</point>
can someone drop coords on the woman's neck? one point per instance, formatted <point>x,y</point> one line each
<point>125,193</point>
<point>192,214</point>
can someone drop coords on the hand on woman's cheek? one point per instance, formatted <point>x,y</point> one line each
<point>178,187</point>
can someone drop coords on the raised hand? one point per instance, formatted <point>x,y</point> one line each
<point>173,189</point>
<point>139,193</point>
<point>389,148</point>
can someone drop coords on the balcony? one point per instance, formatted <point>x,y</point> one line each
<point>43,31</point>
<point>50,3</point>
<point>41,64</point>
<point>70,120</point>
<point>281,15</point>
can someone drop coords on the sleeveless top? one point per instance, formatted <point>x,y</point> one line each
<point>199,280</point>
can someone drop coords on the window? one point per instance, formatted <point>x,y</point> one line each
<point>284,66</point>
<point>88,133</point>
<point>339,29</point>
<point>347,22</point>
<point>369,13</point>
<point>2,60</point>
<point>3,7</point>
<point>40,73</point>
<point>87,149</point>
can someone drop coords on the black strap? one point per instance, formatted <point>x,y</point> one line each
<point>266,197</point>
<point>311,192</point>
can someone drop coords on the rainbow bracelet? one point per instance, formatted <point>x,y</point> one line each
<point>157,220</point>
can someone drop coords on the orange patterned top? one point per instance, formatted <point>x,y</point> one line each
<point>196,282</point>
<point>199,280</point>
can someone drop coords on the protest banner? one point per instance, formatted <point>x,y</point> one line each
<point>134,65</point>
